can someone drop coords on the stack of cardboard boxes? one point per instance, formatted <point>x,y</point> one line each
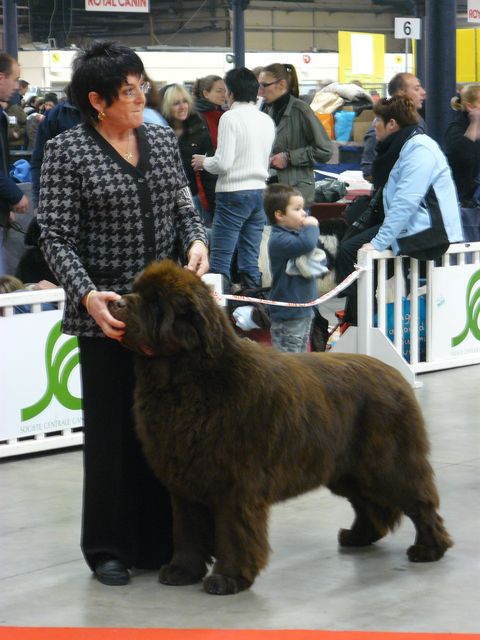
<point>362,124</point>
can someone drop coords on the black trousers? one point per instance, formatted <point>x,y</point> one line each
<point>126,510</point>
<point>344,265</point>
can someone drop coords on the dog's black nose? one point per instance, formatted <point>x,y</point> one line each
<point>117,304</point>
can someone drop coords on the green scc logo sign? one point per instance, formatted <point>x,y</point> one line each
<point>58,370</point>
<point>472,310</point>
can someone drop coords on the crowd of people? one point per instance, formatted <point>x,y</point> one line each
<point>229,151</point>
<point>124,173</point>
<point>233,140</point>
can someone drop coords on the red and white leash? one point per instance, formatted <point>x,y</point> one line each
<point>327,296</point>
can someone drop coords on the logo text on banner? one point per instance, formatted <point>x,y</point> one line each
<point>131,6</point>
<point>58,373</point>
<point>473,11</point>
<point>472,309</point>
<point>40,374</point>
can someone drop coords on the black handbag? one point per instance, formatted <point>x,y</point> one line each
<point>430,243</point>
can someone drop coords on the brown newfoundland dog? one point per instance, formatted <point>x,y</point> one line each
<point>231,427</point>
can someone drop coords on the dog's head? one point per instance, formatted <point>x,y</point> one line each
<point>170,310</point>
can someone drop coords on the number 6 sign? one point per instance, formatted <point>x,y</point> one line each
<point>408,28</point>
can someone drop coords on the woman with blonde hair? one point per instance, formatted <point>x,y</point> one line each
<point>193,138</point>
<point>463,144</point>
<point>300,140</point>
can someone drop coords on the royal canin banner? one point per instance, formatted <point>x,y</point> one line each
<point>473,11</point>
<point>132,6</point>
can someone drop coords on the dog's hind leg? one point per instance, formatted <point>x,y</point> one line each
<point>372,521</point>
<point>192,543</point>
<point>432,539</point>
<point>241,548</point>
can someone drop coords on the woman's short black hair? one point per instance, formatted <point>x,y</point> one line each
<point>242,84</point>
<point>102,67</point>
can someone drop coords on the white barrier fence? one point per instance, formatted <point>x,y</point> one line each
<point>40,389</point>
<point>426,321</point>
<point>437,322</point>
<point>40,396</point>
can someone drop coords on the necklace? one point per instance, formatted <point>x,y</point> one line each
<point>128,155</point>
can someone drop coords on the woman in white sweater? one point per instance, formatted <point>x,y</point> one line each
<point>245,139</point>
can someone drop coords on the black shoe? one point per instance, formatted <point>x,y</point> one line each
<point>111,571</point>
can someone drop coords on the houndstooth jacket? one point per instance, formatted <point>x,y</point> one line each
<point>103,220</point>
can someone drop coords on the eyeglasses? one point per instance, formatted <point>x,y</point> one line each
<point>264,85</point>
<point>130,93</point>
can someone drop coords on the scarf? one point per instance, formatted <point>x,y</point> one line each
<point>278,107</point>
<point>388,151</point>
<point>202,104</point>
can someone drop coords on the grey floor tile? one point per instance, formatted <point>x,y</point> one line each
<point>309,583</point>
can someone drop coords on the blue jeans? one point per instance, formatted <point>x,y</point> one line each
<point>238,223</point>
<point>291,335</point>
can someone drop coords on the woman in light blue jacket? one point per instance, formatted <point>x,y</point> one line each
<point>418,197</point>
<point>419,192</point>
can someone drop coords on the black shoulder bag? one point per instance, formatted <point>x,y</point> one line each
<point>430,243</point>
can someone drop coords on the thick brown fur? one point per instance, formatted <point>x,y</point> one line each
<point>231,427</point>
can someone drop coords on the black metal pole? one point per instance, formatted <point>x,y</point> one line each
<point>440,64</point>
<point>238,33</point>
<point>10,28</point>
<point>420,48</point>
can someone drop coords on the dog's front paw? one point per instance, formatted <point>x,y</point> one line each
<point>220,585</point>
<point>175,575</point>
<point>421,553</point>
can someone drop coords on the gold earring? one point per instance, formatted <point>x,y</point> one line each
<point>101,115</point>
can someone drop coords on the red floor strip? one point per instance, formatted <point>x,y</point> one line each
<point>69,633</point>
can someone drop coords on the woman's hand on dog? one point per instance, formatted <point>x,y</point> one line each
<point>97,307</point>
<point>198,258</point>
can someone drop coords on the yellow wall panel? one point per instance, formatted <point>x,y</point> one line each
<point>477,54</point>
<point>466,55</point>
<point>354,64</point>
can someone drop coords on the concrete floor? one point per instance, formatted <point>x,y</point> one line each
<point>309,584</point>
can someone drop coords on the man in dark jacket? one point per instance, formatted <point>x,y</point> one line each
<point>57,120</point>
<point>64,116</point>
<point>11,197</point>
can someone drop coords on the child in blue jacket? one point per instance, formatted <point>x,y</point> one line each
<point>293,235</point>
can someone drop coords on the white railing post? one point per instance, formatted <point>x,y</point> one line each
<point>414,324</point>
<point>398,304</point>
<point>365,301</point>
